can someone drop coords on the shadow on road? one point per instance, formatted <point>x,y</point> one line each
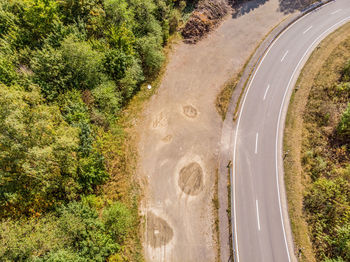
<point>243,7</point>
<point>290,6</point>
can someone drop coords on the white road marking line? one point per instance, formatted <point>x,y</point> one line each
<point>336,11</point>
<point>284,56</point>
<point>256,143</point>
<point>233,184</point>
<point>307,30</point>
<point>324,34</point>
<point>257,214</point>
<point>267,89</point>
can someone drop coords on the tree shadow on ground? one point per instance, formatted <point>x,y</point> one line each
<point>290,6</point>
<point>243,7</point>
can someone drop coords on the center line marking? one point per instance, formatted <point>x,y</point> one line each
<point>307,30</point>
<point>267,89</point>
<point>256,143</point>
<point>336,11</point>
<point>257,213</point>
<point>284,56</point>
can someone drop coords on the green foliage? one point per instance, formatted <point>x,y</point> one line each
<point>85,232</point>
<point>72,66</point>
<point>326,162</point>
<point>61,255</point>
<point>151,54</point>
<point>67,70</point>
<point>344,125</point>
<point>108,100</point>
<point>37,159</point>
<point>346,72</point>
<point>8,73</point>
<point>74,233</point>
<point>91,172</point>
<point>118,221</point>
<point>328,209</point>
<point>40,15</point>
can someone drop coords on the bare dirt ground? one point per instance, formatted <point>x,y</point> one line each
<point>180,136</point>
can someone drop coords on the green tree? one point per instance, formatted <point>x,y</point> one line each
<point>38,19</point>
<point>85,232</point>
<point>37,152</point>
<point>75,65</point>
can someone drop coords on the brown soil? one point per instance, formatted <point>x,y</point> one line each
<point>180,125</point>
<point>159,233</point>
<point>191,179</point>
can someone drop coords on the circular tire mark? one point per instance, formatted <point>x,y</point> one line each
<point>159,233</point>
<point>190,111</point>
<point>191,179</point>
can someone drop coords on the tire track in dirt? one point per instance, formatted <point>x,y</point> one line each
<point>180,139</point>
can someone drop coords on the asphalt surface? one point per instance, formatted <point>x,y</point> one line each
<point>261,226</point>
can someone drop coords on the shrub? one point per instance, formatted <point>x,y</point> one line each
<point>85,232</point>
<point>118,221</point>
<point>61,255</point>
<point>344,125</point>
<point>108,99</point>
<point>92,172</point>
<point>346,72</point>
<point>8,73</point>
<point>327,208</point>
<point>151,54</point>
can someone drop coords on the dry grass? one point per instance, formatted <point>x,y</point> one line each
<point>216,232</point>
<point>224,97</point>
<point>119,147</point>
<point>318,71</point>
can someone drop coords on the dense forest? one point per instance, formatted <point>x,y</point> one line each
<point>326,159</point>
<point>68,69</point>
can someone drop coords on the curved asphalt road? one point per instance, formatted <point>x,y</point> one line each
<point>259,223</point>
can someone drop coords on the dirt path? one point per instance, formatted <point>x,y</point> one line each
<point>180,137</point>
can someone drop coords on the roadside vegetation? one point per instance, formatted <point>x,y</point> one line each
<point>68,71</point>
<point>317,166</point>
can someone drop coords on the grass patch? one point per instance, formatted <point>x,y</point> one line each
<point>224,97</point>
<point>304,131</point>
<point>229,210</point>
<point>216,206</point>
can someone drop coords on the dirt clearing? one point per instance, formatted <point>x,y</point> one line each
<point>181,135</point>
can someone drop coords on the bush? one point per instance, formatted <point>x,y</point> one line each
<point>344,125</point>
<point>118,221</point>
<point>108,99</point>
<point>85,232</point>
<point>327,208</point>
<point>92,172</point>
<point>61,255</point>
<point>151,54</point>
<point>346,72</point>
